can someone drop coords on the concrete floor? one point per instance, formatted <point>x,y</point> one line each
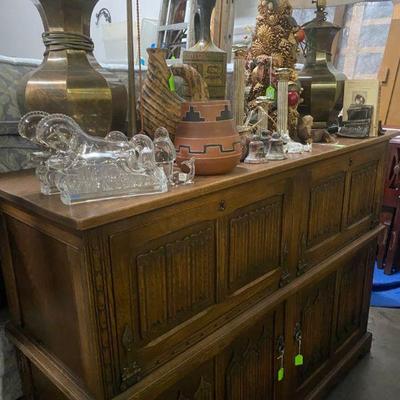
<point>376,376</point>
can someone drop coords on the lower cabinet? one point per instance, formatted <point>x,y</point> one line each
<point>199,385</point>
<point>329,318</point>
<point>311,332</point>
<point>246,369</point>
<point>354,282</point>
<point>287,353</point>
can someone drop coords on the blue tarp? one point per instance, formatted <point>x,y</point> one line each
<point>386,290</point>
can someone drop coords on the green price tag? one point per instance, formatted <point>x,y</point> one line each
<point>281,374</point>
<point>270,93</point>
<point>299,360</point>
<point>171,82</point>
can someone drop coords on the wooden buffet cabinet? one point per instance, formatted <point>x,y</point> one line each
<point>197,293</point>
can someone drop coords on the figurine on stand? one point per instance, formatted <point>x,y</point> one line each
<point>304,129</point>
<point>275,45</point>
<point>259,140</point>
<point>282,122</point>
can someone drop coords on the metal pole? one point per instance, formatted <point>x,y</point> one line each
<point>132,127</point>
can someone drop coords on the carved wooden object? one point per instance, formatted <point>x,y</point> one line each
<point>194,294</point>
<point>161,106</point>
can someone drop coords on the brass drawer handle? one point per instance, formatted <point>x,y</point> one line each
<point>222,205</point>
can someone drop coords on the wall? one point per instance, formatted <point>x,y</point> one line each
<point>362,39</point>
<point>27,42</point>
<point>20,29</point>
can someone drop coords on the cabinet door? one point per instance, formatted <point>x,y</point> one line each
<point>248,368</point>
<point>353,287</point>
<point>199,385</point>
<point>182,272</point>
<point>341,202</point>
<point>245,369</point>
<point>313,318</point>
<point>365,185</point>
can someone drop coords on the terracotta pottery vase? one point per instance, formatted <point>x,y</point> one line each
<point>208,133</point>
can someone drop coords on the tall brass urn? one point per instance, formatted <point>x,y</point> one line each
<point>70,80</point>
<point>322,83</point>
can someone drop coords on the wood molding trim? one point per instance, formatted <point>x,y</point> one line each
<point>359,350</point>
<point>389,74</point>
<point>43,360</point>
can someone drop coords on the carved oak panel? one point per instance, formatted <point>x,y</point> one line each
<point>350,301</point>
<point>314,313</point>
<point>199,385</point>
<point>255,236</point>
<point>362,193</point>
<point>176,280</point>
<point>325,210</point>
<point>250,373</point>
<point>247,367</point>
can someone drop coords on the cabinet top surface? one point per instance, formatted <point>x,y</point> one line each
<point>22,188</point>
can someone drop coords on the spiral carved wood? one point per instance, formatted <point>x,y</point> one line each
<point>161,106</point>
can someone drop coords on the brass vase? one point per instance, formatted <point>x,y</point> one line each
<point>323,85</point>
<point>70,80</point>
<point>209,60</point>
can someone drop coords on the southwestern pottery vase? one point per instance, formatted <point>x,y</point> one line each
<point>208,133</point>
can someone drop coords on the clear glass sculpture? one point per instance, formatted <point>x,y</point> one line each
<point>99,169</point>
<point>27,128</point>
<point>85,168</point>
<point>185,174</point>
<point>165,152</point>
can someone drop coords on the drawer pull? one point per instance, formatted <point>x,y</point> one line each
<point>222,205</point>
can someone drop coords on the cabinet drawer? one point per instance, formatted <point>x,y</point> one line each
<point>180,276</point>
